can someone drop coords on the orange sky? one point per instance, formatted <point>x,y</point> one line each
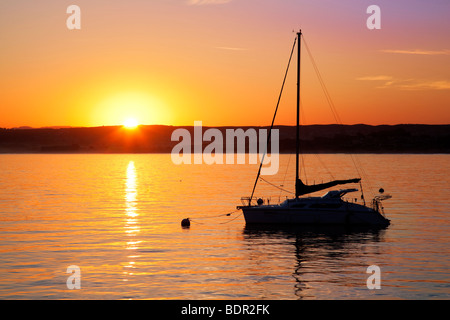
<point>221,62</point>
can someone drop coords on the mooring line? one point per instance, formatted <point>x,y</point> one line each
<point>210,217</point>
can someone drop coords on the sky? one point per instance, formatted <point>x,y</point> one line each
<point>222,62</point>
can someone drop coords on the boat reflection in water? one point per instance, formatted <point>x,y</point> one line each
<point>323,260</point>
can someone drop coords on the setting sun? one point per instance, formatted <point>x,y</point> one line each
<point>130,123</point>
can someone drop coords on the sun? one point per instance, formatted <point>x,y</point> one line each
<point>130,123</point>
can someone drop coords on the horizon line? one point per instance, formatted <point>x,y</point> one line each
<point>220,126</point>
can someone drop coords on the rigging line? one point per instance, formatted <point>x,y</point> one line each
<point>273,120</point>
<point>304,169</point>
<point>322,83</point>
<point>324,166</point>
<point>274,185</point>
<point>303,118</point>
<point>285,173</point>
<point>328,97</point>
<point>356,162</point>
<point>366,178</point>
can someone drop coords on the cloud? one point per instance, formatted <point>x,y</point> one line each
<point>388,80</point>
<point>419,52</point>
<point>408,84</point>
<point>426,85</point>
<point>375,78</point>
<point>206,2</point>
<point>231,48</point>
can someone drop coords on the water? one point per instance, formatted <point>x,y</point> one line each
<point>117,217</point>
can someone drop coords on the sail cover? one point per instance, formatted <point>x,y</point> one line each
<point>301,188</point>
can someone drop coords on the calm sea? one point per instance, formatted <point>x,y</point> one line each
<point>117,217</point>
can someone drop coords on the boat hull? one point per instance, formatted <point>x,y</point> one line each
<point>277,215</point>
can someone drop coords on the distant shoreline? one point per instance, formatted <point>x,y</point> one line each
<point>361,139</point>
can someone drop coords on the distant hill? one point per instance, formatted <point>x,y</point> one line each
<point>403,138</point>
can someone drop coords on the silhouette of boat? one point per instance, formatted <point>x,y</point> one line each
<point>328,209</point>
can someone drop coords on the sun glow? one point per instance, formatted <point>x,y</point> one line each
<point>130,108</point>
<point>130,123</point>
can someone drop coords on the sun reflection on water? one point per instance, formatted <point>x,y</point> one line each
<point>131,227</point>
<point>131,191</point>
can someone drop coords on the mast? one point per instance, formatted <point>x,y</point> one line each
<point>300,187</point>
<point>297,144</point>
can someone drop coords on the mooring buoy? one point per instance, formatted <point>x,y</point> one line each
<point>185,222</point>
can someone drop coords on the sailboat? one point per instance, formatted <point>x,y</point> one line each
<point>329,209</point>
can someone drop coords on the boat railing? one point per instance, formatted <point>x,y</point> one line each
<point>255,201</point>
<point>350,199</point>
<point>258,201</point>
<point>377,203</point>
